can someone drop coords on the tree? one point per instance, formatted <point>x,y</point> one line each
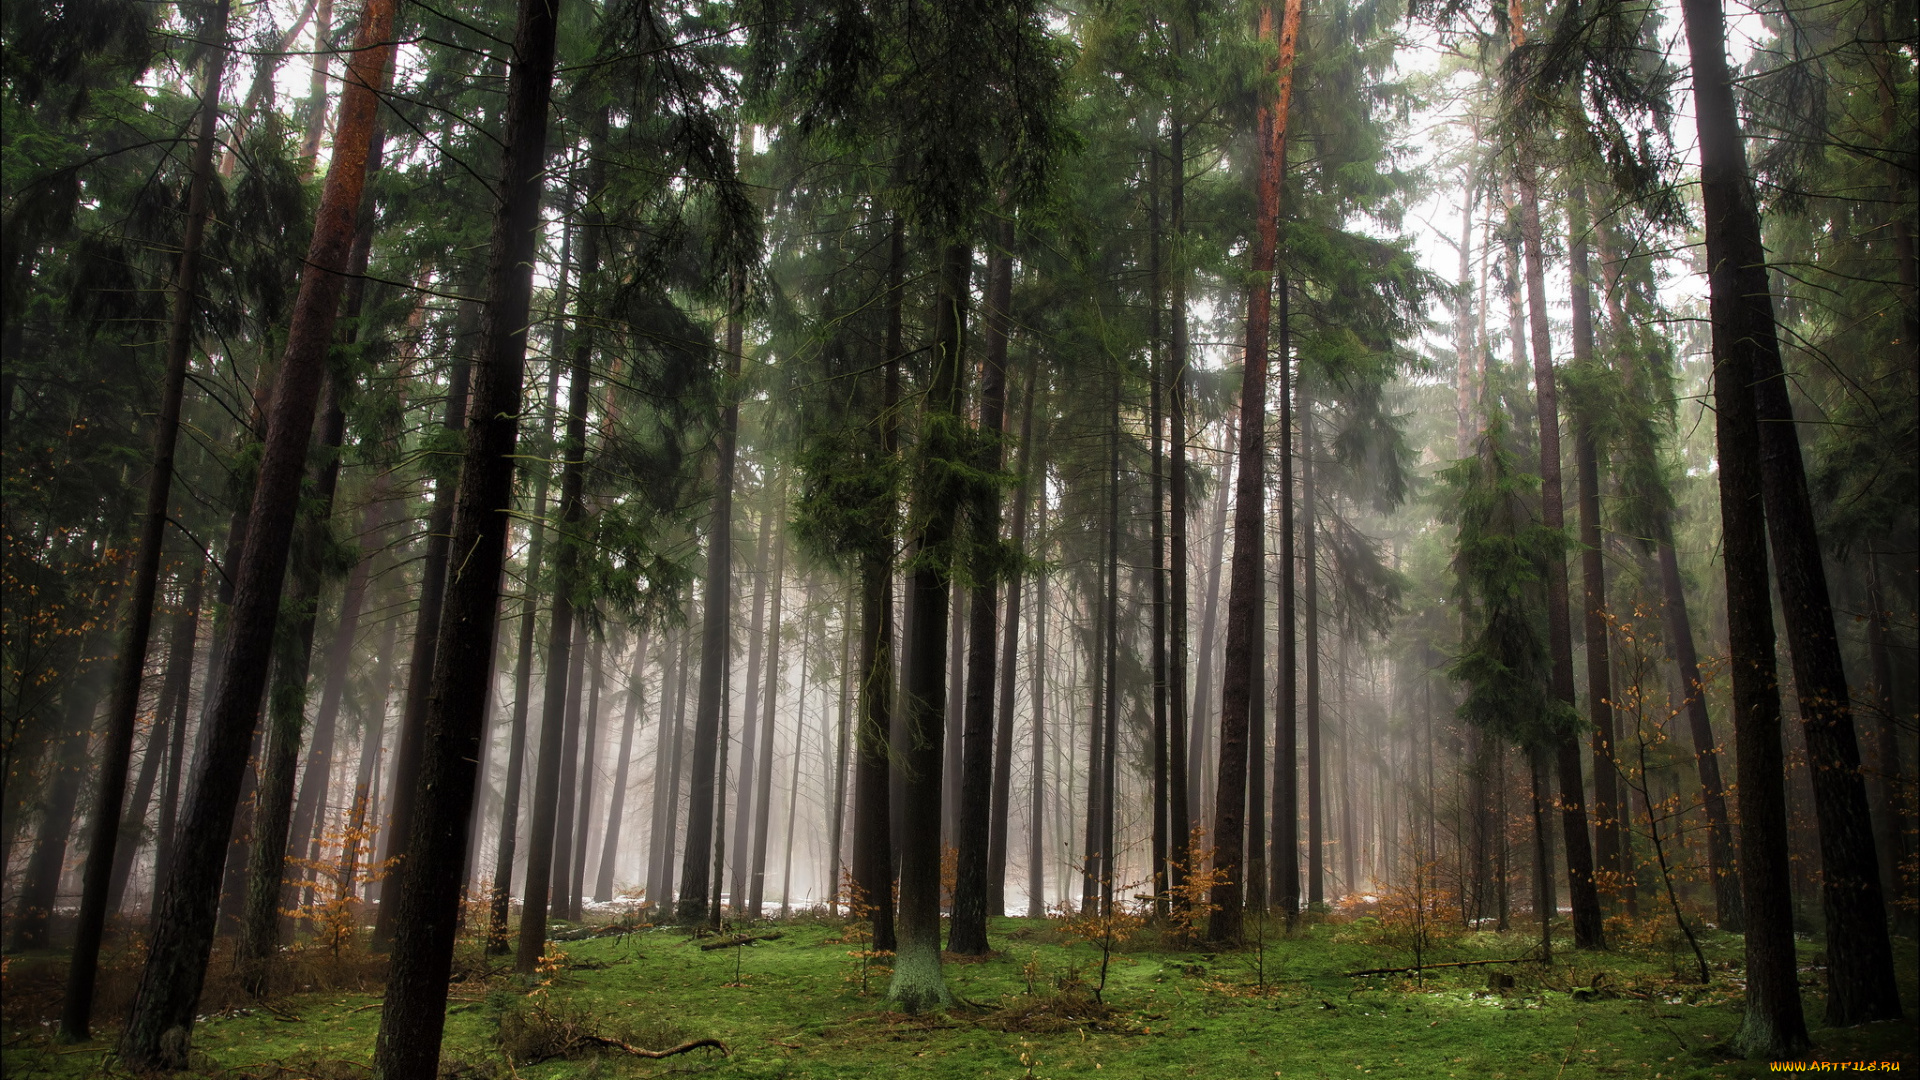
<point>160,1026</point>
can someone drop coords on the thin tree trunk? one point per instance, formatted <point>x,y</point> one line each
<point>1179,794</point>
<point>839,824</point>
<point>617,808</point>
<point>316,105</point>
<point>536,900</point>
<point>69,766</point>
<point>366,779</point>
<point>414,1012</point>
<point>124,706</point>
<point>872,782</point>
<point>1286,763</point>
<point>756,641</point>
<point>715,643</point>
<point>1310,636</point>
<point>918,985</point>
<point>762,798</point>
<point>1200,721</point>
<point>1036,839</point>
<point>1588,931</point>
<point>1009,656</point>
<point>559,885</point>
<point>967,933</point>
<point>158,1031</point>
<point>1156,378</point>
<point>180,648</point>
<point>1595,628</point>
<point>169,718</point>
<point>589,764</point>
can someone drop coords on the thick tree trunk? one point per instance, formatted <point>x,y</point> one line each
<point>1742,315</point>
<point>967,933</point>
<point>918,984</point>
<point>617,805</point>
<point>124,705</point>
<point>414,1012</point>
<point>159,1028</point>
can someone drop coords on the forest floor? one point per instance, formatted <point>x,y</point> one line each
<point>809,1003</point>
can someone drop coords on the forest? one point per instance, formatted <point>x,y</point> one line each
<point>989,538</point>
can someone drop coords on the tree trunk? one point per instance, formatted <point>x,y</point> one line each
<point>756,642</point>
<point>1200,722</point>
<point>589,763</point>
<point>1036,835</point>
<point>873,793</point>
<point>286,719</point>
<point>967,933</point>
<point>560,870</point>
<point>918,984</point>
<point>1775,1026</point>
<point>1156,378</point>
<point>40,886</point>
<point>316,106</point>
<point>414,1013</point>
<point>124,706</point>
<point>1611,874</point>
<point>1109,717</point>
<point>506,852</point>
<point>617,808</point>
<point>1310,635</point>
<point>1890,789</point>
<point>763,771</point>
<point>159,1028</point>
<point>169,729</point>
<point>715,643</point>
<point>433,587</point>
<point>839,823</point>
<point>1286,759</point>
<point>1179,794</point>
<point>1588,931</point>
<point>1009,656</point>
<point>180,652</point>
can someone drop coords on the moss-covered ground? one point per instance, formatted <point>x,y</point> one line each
<point>795,1007</point>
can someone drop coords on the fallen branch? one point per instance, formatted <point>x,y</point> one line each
<point>738,939</point>
<point>1431,967</point>
<point>695,1044</point>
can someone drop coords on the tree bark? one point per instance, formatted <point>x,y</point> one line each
<point>124,705</point>
<point>918,985</point>
<point>967,932</point>
<point>159,1029</point>
<point>414,1012</point>
<point>1286,762</point>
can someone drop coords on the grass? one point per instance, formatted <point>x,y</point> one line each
<point>793,1008</point>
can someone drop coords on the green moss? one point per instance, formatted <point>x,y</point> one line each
<point>795,1012</point>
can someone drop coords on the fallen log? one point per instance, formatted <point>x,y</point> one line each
<point>738,939</point>
<point>1432,967</point>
